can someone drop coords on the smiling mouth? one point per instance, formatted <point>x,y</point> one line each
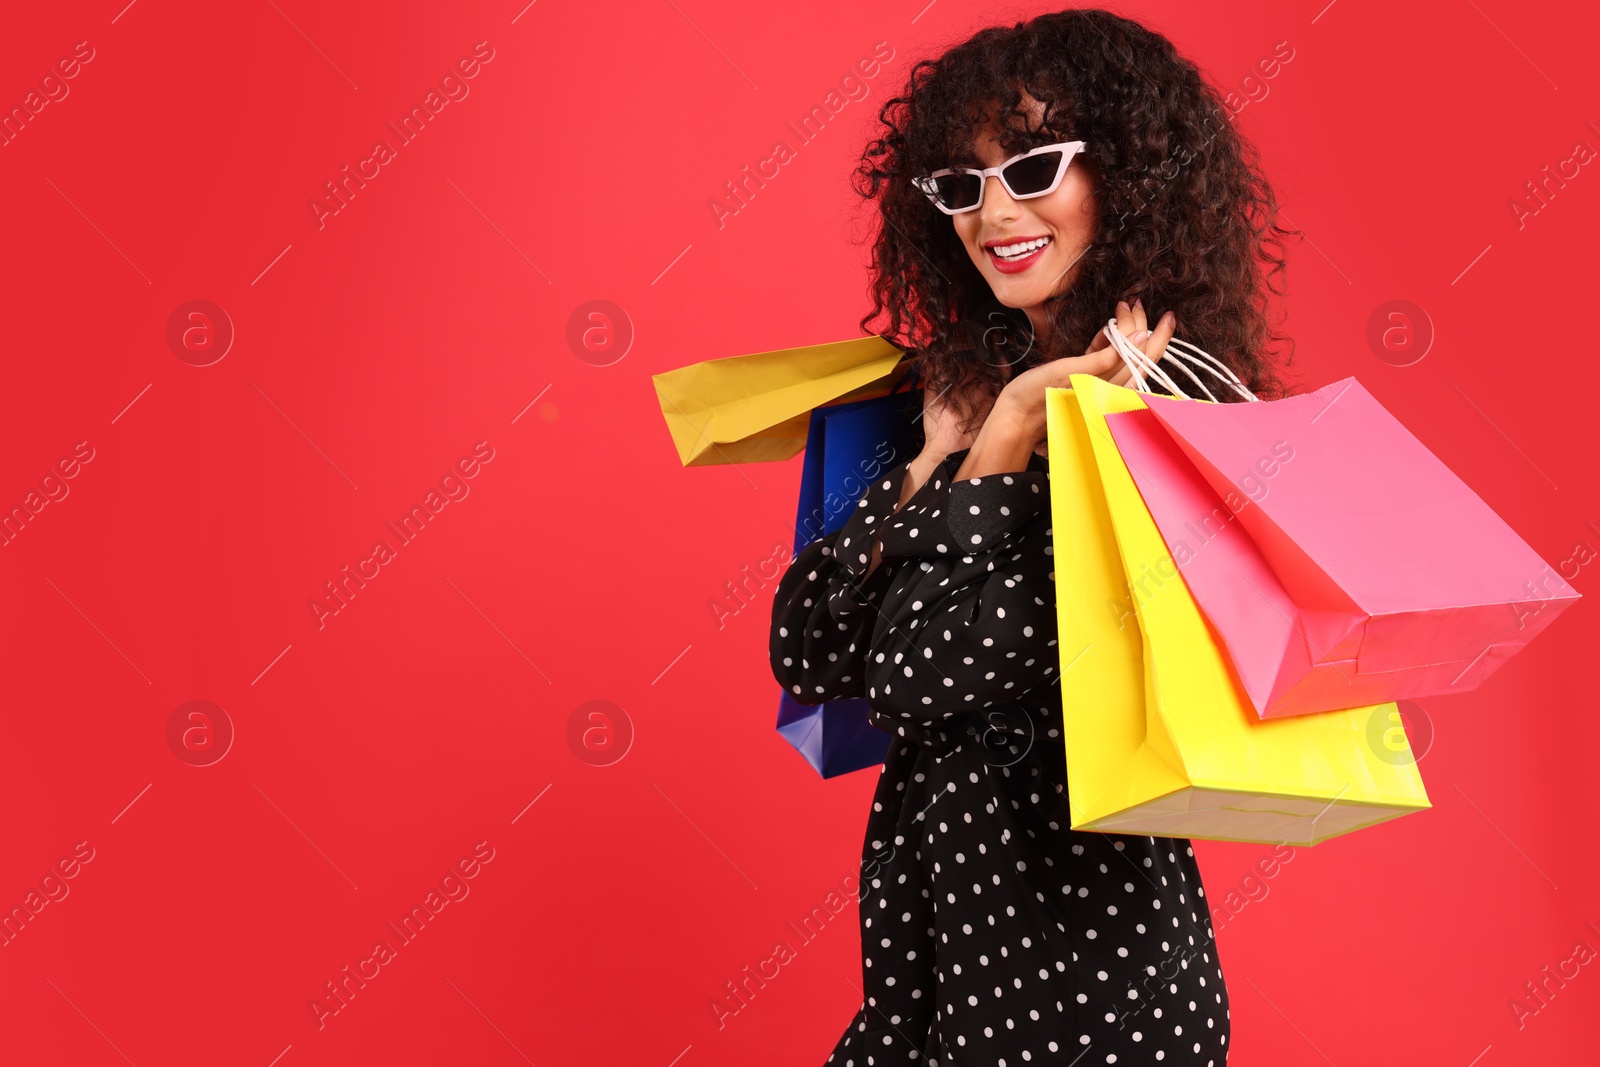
<point>1019,250</point>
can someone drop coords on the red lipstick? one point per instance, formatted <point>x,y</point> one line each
<point>1018,264</point>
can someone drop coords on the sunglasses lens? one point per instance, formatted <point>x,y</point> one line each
<point>954,191</point>
<point>1033,175</point>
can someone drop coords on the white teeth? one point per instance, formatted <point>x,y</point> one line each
<point>1021,249</point>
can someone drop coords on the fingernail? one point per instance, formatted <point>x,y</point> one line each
<point>1169,318</point>
<point>1138,301</point>
<point>1140,336</point>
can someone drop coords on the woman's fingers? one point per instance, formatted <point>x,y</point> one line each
<point>1155,346</point>
<point>1139,322</point>
<point>1119,373</point>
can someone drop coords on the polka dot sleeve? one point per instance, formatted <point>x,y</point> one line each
<point>823,614</point>
<point>971,610</point>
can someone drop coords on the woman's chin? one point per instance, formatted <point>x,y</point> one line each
<point>1014,293</point>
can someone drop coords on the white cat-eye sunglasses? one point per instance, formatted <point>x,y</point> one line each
<point>1036,172</point>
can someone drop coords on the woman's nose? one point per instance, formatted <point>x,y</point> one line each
<point>997,203</point>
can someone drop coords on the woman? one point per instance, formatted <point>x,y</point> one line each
<point>991,932</point>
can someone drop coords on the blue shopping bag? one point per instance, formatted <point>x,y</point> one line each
<point>847,446</point>
<point>835,738</point>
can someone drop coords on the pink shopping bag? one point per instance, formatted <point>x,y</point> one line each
<point>1339,561</point>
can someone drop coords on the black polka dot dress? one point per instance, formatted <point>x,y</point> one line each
<point>991,934</point>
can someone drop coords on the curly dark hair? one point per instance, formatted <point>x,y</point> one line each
<point>1187,221</point>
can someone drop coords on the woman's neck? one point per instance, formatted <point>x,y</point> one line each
<point>1041,324</point>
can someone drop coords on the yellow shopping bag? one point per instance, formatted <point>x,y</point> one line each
<point>757,408</point>
<point>1160,737</point>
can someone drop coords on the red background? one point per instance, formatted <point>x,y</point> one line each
<point>430,314</point>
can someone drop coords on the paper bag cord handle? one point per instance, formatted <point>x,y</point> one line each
<point>1140,365</point>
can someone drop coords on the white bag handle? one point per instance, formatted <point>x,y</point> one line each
<point>1140,365</point>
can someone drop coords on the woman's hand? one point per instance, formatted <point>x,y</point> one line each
<point>943,429</point>
<point>943,432</point>
<point>1016,424</point>
<point>1021,403</point>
